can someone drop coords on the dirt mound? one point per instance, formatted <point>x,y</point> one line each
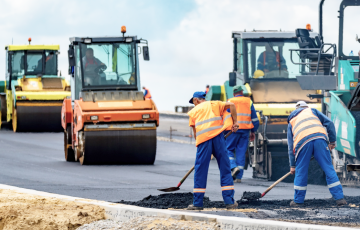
<point>25,211</point>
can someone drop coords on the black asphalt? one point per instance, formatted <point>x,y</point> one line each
<point>36,161</point>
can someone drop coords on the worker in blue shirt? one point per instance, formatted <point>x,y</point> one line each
<point>308,134</point>
<point>248,124</point>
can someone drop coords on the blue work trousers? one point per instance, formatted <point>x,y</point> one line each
<point>238,143</point>
<point>215,146</point>
<point>320,150</point>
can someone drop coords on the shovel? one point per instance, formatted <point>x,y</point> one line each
<point>172,189</point>
<point>257,195</point>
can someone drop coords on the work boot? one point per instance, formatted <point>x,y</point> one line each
<point>293,204</point>
<point>232,206</point>
<point>237,181</point>
<point>192,207</point>
<point>341,202</point>
<point>234,172</point>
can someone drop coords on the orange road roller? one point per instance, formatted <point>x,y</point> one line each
<point>108,120</point>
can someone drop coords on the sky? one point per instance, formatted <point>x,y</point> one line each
<point>189,40</point>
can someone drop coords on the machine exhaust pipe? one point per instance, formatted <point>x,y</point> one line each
<point>281,142</point>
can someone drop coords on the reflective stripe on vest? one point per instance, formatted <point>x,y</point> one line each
<point>208,124</point>
<point>243,108</point>
<point>305,124</point>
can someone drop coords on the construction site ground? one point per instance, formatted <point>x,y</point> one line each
<point>36,161</point>
<point>25,211</point>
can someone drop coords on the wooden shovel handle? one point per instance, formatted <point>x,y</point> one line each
<point>227,135</point>
<point>188,173</point>
<point>276,182</point>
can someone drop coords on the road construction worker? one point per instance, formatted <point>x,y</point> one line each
<point>207,123</point>
<point>248,124</point>
<point>270,60</point>
<point>207,89</point>
<point>309,132</point>
<point>93,67</point>
<point>50,65</point>
<point>147,94</point>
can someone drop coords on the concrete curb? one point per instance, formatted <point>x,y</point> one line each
<point>121,212</point>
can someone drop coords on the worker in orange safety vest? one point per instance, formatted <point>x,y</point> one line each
<point>147,94</point>
<point>248,124</point>
<point>311,133</point>
<point>207,123</point>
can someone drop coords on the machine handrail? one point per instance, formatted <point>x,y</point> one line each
<point>320,52</point>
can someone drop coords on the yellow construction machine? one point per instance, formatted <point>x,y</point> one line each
<point>32,94</point>
<point>274,91</point>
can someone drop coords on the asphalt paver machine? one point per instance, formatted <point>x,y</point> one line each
<point>31,96</point>
<point>309,70</point>
<point>337,74</point>
<point>274,92</point>
<point>108,120</point>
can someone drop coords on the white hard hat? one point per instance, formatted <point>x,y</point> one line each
<point>301,104</point>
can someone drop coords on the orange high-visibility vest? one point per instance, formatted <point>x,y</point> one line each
<point>277,58</point>
<point>208,121</point>
<point>305,124</point>
<point>148,95</point>
<point>243,109</point>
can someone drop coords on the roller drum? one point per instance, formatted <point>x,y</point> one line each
<point>3,107</point>
<point>120,147</point>
<point>38,118</point>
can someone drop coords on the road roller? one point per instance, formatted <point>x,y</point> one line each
<point>107,120</point>
<point>33,92</point>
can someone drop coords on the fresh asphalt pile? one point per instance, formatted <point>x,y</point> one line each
<point>316,211</point>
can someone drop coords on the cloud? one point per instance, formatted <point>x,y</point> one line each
<point>189,41</point>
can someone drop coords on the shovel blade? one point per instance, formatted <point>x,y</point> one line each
<point>171,189</point>
<point>251,196</point>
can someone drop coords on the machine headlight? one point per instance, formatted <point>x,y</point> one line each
<point>128,39</point>
<point>94,118</point>
<point>146,116</point>
<point>87,40</point>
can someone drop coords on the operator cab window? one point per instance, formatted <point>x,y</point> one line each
<point>50,63</point>
<point>34,63</point>
<point>111,64</point>
<point>270,59</point>
<point>17,64</point>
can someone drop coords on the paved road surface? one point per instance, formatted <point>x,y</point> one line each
<point>36,161</point>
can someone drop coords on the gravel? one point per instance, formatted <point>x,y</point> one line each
<point>147,223</point>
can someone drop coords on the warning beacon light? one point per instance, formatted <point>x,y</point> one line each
<point>308,27</point>
<point>123,30</point>
<point>29,40</point>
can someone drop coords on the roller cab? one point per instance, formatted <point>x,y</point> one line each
<point>33,93</point>
<point>108,120</point>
